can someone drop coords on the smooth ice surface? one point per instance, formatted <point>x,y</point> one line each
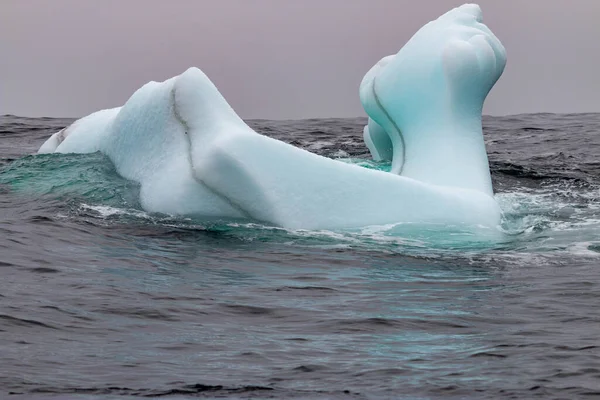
<point>192,154</point>
<point>378,142</point>
<point>86,135</point>
<point>428,98</point>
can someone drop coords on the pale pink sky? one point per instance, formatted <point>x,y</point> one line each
<point>277,58</point>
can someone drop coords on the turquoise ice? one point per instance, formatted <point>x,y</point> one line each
<point>428,98</point>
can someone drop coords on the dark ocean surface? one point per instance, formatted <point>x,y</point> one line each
<point>100,300</point>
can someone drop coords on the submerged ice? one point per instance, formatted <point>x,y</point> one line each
<point>193,155</point>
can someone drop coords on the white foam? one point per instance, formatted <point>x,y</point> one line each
<point>583,249</point>
<point>108,211</point>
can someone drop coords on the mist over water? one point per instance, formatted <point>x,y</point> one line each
<point>101,299</point>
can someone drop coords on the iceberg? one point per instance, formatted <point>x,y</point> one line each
<point>193,155</point>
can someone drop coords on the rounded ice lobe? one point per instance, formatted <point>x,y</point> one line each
<point>428,98</point>
<point>193,155</point>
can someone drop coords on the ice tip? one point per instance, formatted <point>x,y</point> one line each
<point>192,71</point>
<point>193,74</point>
<point>472,9</point>
<point>467,13</point>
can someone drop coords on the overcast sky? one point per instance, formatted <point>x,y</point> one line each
<point>277,59</point>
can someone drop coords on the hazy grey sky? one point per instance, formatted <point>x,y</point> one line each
<point>277,58</point>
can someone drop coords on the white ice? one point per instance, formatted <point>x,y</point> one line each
<point>193,155</point>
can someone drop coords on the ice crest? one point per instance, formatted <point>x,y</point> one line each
<point>428,98</point>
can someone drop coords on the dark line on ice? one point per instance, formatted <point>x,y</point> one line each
<point>187,129</point>
<point>389,117</point>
